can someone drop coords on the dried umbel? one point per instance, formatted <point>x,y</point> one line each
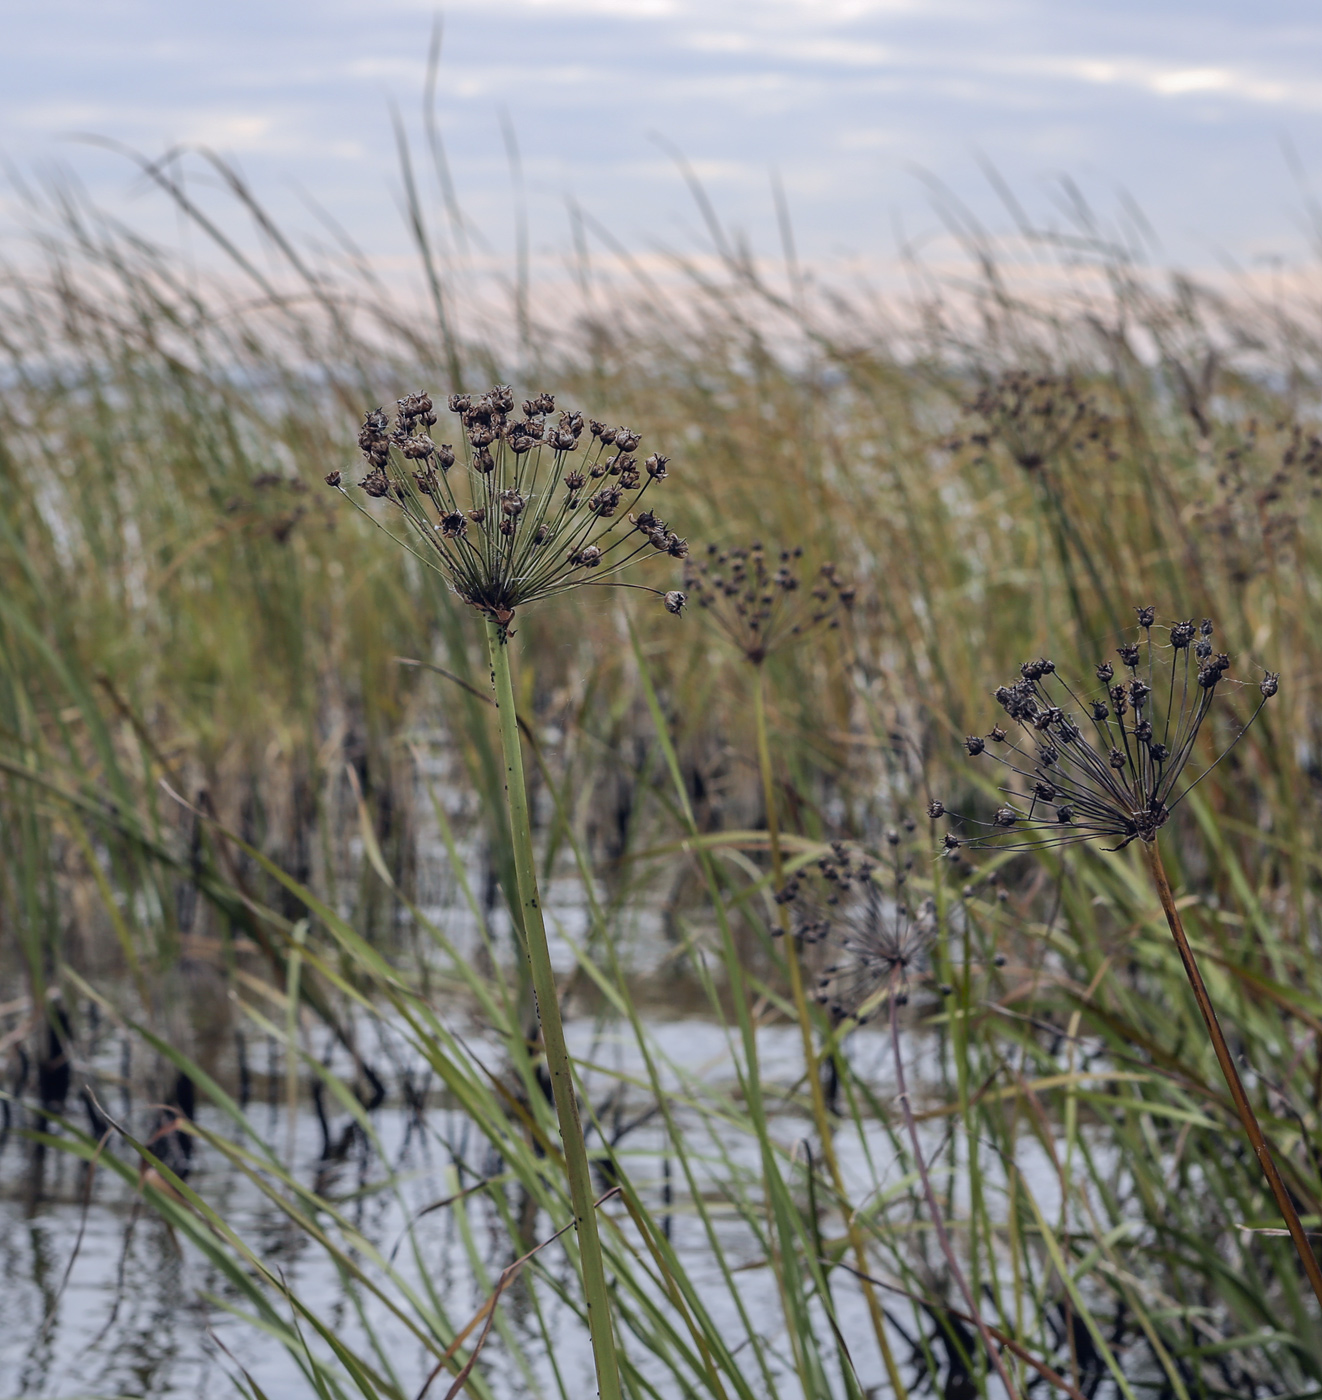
<point>1109,760</point>
<point>1035,416</point>
<point>875,934</point>
<point>542,503</point>
<point>759,601</point>
<point>1263,480</point>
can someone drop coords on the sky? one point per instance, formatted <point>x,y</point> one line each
<point>873,115</point>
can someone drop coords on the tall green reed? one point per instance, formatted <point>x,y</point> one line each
<point>516,526</point>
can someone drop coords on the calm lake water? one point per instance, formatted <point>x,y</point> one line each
<point>98,1297</point>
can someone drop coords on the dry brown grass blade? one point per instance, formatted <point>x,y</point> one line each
<point>1016,1348</point>
<point>486,1314</point>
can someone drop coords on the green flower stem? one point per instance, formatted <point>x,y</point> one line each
<point>553,1031</point>
<point>810,1061</point>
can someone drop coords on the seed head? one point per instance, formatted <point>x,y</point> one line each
<point>1037,417</point>
<point>874,938</point>
<point>757,600</point>
<point>1119,773</point>
<point>535,535</point>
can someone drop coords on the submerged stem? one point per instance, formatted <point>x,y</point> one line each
<point>1247,1117</point>
<point>810,1061</point>
<point>553,1031</point>
<point>934,1206</point>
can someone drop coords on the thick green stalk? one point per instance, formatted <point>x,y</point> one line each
<point>553,1031</point>
<point>810,1061</point>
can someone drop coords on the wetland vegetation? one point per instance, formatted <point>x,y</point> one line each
<point>869,1105</point>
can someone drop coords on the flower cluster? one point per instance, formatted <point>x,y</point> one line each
<point>1257,501</point>
<point>540,505</point>
<point>860,910</point>
<point>762,606</point>
<point>1036,416</point>
<point>1110,763</point>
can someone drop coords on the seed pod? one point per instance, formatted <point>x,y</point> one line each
<point>605,503</point>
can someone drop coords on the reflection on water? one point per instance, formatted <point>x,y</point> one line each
<point>98,1297</point>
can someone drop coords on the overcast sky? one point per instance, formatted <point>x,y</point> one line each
<point>1185,106</point>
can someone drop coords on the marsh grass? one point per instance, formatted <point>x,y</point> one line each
<point>212,762</point>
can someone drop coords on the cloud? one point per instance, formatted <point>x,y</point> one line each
<point>841,95</point>
<point>1169,81</point>
<point>848,53</point>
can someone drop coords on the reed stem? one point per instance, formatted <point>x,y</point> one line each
<point>934,1206</point>
<point>553,1032</point>
<point>1245,1109</point>
<point>810,1062</point>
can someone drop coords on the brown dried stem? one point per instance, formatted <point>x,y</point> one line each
<point>1247,1117</point>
